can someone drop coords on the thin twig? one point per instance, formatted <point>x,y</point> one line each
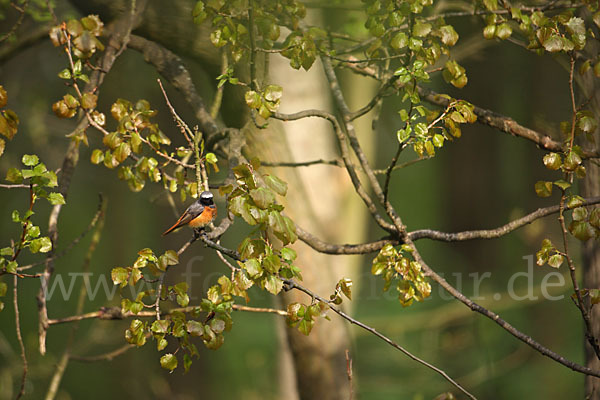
<point>13,29</point>
<point>185,130</point>
<point>19,337</point>
<point>349,373</point>
<point>337,163</point>
<point>104,357</point>
<point>216,105</point>
<point>115,313</point>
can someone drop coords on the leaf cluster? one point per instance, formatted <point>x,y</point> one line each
<point>253,198</point>
<point>82,33</point>
<point>397,265</point>
<point>9,120</point>
<point>303,316</point>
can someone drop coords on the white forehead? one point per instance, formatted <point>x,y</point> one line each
<point>206,195</point>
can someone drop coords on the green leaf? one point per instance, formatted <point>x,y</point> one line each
<point>30,160</point>
<point>575,201</point>
<point>183,299</point>
<point>168,361</point>
<point>194,328</point>
<point>581,230</point>
<point>454,74</point>
<point>271,263</point>
<point>198,13</point>
<point>448,35</point>
<point>262,197</point>
<point>587,123</point>
<point>273,284</point>
<point>491,5</point>
<point>89,101</point>
<point>171,258</point>
<point>555,260</point>
<point>56,198</point>
<point>65,74</point>
<point>13,175</point>
<point>345,285</point>
<point>552,161</point>
<point>579,214</point>
<point>187,362</point>
<point>253,268</point>
<point>211,158</point>
<point>399,41</point>
<point>43,245</point>
<point>97,156</point>
<point>119,276</point>
<point>503,31</point>
<point>553,43</point>
<point>11,267</point>
<point>305,326</point>
<point>489,32</point>
<point>378,268</point>
<point>276,184</point>
<point>421,28</point>
<point>564,185</point>
<point>288,254</point>
<point>160,326</point>
<point>543,188</point>
<point>572,161</point>
<point>3,289</point>
<point>252,99</point>
<point>273,93</point>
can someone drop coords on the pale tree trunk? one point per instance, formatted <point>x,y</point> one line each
<point>321,200</point>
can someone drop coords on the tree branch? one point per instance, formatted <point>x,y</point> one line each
<point>504,124</point>
<point>484,116</point>
<point>493,233</point>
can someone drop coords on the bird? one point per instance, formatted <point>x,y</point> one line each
<point>199,214</point>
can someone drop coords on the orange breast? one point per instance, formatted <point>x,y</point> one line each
<point>208,214</point>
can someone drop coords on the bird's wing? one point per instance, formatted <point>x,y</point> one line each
<point>192,212</point>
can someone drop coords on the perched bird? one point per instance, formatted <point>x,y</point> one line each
<point>197,215</point>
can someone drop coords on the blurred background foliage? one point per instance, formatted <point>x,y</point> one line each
<point>481,180</point>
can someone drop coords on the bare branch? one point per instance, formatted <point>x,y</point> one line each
<point>104,357</point>
<point>493,233</point>
<point>346,249</point>
<point>337,163</point>
<point>113,313</point>
<point>19,337</point>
